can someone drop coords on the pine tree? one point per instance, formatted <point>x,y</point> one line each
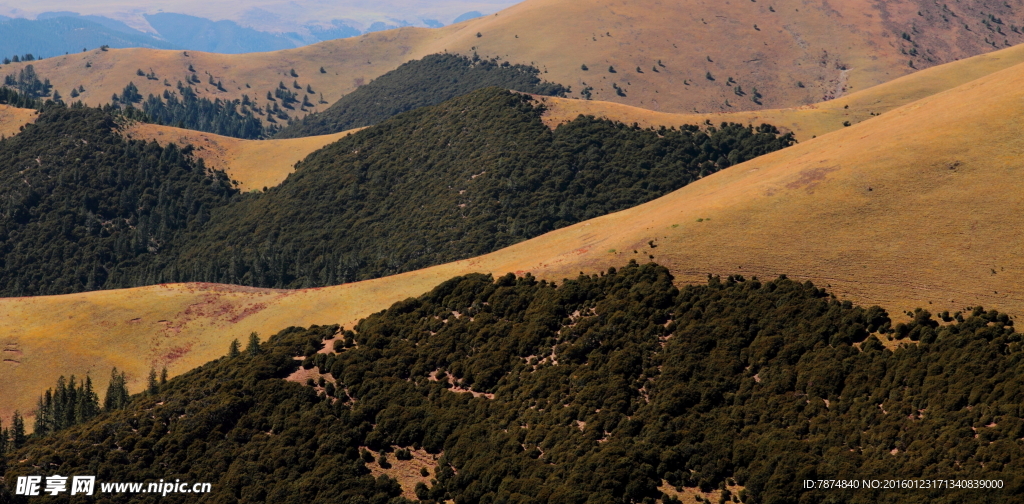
<point>233,349</point>
<point>17,430</point>
<point>163,376</point>
<point>253,348</point>
<point>152,386</point>
<point>44,407</point>
<point>88,402</point>
<point>117,392</point>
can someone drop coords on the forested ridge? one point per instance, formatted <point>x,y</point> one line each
<point>604,388</point>
<point>86,209</point>
<point>452,181</point>
<point>434,79</point>
<point>80,206</point>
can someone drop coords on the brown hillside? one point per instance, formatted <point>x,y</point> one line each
<point>920,207</point>
<point>255,164</point>
<point>809,120</point>
<point>13,118</point>
<point>829,47</point>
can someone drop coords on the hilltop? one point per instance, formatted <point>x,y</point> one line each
<point>429,81</point>
<point>874,212</point>
<point>664,58</point>
<point>612,387</point>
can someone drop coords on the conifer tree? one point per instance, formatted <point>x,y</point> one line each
<point>17,430</point>
<point>233,348</point>
<point>152,387</point>
<point>163,375</point>
<point>88,402</point>
<point>117,392</point>
<point>253,348</point>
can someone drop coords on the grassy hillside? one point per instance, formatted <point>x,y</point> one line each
<point>618,387</point>
<point>830,48</point>
<point>429,81</point>
<point>254,164</point>
<point>809,120</point>
<point>874,212</point>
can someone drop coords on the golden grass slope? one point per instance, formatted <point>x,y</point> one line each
<point>255,164</point>
<point>828,47</point>
<point>13,118</point>
<point>809,120</point>
<point>920,206</point>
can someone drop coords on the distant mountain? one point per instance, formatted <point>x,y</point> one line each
<point>226,37</point>
<point>337,29</point>
<point>112,24</point>
<point>467,16</point>
<point>70,33</point>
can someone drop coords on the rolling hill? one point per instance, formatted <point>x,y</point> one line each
<point>793,52</point>
<point>874,212</point>
<point>255,164</point>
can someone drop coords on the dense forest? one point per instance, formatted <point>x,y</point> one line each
<point>473,175</point>
<point>609,388</point>
<point>86,209</point>
<point>428,81</point>
<point>80,204</point>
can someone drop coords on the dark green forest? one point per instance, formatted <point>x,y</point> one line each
<point>605,387</point>
<point>80,205</point>
<point>85,209</point>
<point>418,83</point>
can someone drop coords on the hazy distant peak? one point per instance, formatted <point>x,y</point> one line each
<point>467,16</point>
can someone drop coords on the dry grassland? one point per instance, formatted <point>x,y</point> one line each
<point>807,121</point>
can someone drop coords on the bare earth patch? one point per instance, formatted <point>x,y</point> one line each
<point>406,472</point>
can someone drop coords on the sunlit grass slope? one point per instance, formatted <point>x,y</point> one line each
<point>809,120</point>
